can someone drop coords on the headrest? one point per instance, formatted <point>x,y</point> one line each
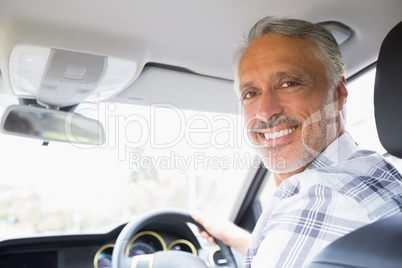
<point>388,92</point>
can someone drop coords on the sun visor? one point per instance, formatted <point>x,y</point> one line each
<point>186,90</point>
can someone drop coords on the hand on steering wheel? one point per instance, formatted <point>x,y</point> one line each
<point>166,259</point>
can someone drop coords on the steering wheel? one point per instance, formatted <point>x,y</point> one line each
<point>166,259</point>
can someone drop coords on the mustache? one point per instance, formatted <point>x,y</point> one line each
<point>275,121</point>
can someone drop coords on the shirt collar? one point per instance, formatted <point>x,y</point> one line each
<point>339,150</point>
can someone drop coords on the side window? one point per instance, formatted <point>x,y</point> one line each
<point>360,112</point>
<point>360,118</point>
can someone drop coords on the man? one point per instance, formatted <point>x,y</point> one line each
<point>290,78</point>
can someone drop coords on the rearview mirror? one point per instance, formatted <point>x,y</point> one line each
<point>51,125</point>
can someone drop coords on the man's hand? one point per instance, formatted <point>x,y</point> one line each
<point>224,230</point>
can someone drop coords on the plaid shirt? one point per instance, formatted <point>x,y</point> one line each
<point>343,189</point>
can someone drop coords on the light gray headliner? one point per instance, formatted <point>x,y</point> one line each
<point>199,35</point>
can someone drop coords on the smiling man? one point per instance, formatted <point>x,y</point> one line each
<point>293,109</point>
<point>292,86</point>
<point>290,78</point>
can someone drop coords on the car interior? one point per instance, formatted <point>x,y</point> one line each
<point>120,117</point>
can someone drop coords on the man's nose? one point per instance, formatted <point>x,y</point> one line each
<point>269,106</point>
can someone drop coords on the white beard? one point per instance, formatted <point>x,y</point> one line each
<point>306,152</point>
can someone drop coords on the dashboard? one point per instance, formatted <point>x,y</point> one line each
<point>146,242</point>
<point>95,250</point>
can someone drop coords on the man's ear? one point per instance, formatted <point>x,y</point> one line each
<point>342,94</point>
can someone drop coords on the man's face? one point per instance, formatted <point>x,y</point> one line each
<point>288,106</point>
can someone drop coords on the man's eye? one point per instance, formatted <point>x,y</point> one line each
<point>248,95</point>
<point>289,84</point>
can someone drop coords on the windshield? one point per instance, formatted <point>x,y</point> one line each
<point>154,156</point>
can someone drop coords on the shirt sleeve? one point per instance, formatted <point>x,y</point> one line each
<point>301,225</point>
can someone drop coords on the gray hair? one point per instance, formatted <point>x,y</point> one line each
<point>327,49</point>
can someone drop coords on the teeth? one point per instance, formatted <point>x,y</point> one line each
<point>274,135</point>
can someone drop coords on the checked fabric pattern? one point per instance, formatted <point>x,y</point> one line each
<point>343,189</point>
